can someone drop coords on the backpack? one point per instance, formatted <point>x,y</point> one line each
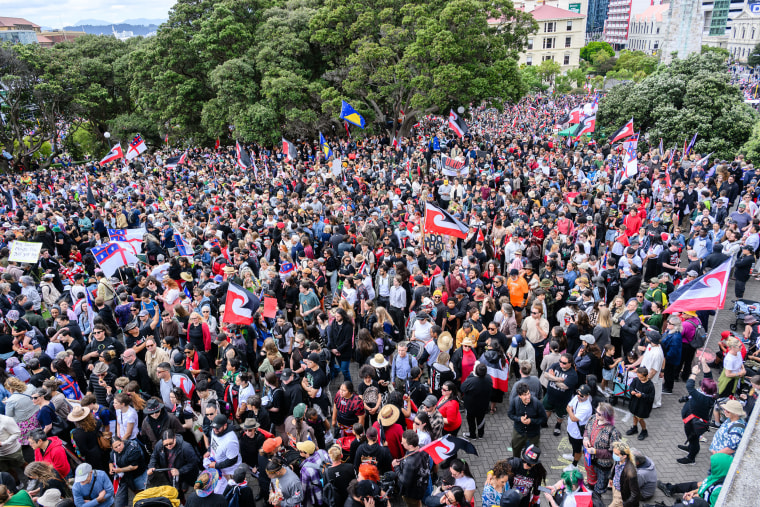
<point>700,337</point>
<point>233,497</point>
<point>330,493</point>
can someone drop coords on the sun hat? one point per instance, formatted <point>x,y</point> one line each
<point>388,415</point>
<point>378,361</point>
<point>213,477</point>
<point>734,407</point>
<point>50,498</point>
<point>78,413</point>
<point>100,369</point>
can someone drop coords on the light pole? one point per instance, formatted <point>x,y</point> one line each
<point>107,135</point>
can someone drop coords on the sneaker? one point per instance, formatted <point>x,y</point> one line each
<point>715,425</point>
<point>632,431</point>
<point>684,448</point>
<point>644,434</point>
<point>686,461</point>
<point>557,430</point>
<point>657,405</point>
<point>467,435</point>
<point>667,391</point>
<point>544,424</point>
<point>568,457</point>
<point>664,488</point>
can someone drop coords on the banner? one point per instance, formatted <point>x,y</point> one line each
<point>434,242</point>
<point>454,167</point>
<point>25,251</point>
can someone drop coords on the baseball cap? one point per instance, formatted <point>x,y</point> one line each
<point>82,472</point>
<point>219,421</point>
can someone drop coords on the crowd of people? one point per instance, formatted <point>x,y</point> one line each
<point>385,337</point>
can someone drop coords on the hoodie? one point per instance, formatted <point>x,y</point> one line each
<point>55,454</point>
<point>647,475</point>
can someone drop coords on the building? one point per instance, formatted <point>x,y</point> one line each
<point>56,36</point>
<point>576,6</point>
<point>683,33</point>
<point>647,30</point>
<point>595,18</point>
<point>560,37</point>
<point>18,30</point>
<point>744,34</point>
<point>619,14</point>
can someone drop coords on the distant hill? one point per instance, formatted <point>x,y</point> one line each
<point>108,29</point>
<point>143,21</point>
<point>94,22</point>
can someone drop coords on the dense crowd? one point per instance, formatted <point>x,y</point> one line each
<point>548,311</point>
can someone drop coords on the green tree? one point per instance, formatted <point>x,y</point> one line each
<point>687,96</point>
<point>422,58</point>
<point>603,63</point>
<point>636,61</point>
<point>752,147</point>
<point>592,48</point>
<point>577,77</point>
<point>720,51</point>
<point>530,79</point>
<point>754,57</point>
<point>547,70</point>
<point>563,84</point>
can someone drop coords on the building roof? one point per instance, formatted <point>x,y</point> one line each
<point>16,21</point>
<point>44,40</point>
<point>653,13</point>
<point>547,12</point>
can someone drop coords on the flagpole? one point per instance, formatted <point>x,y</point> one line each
<point>709,334</point>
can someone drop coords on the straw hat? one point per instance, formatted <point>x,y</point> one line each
<point>470,342</point>
<point>186,276</point>
<point>378,361</point>
<point>388,415</point>
<point>78,413</point>
<point>734,407</point>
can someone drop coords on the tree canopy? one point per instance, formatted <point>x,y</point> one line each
<point>686,97</point>
<point>592,48</point>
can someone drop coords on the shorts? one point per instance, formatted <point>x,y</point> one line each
<point>608,375</point>
<point>577,444</point>
<point>560,411</point>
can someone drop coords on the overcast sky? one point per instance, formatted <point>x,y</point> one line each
<point>59,13</point>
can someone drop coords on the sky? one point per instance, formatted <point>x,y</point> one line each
<point>59,13</point>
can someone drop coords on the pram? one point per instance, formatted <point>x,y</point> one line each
<point>742,308</point>
<point>161,496</point>
<point>621,386</point>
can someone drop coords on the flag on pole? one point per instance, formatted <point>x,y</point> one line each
<point>631,163</point>
<point>136,147</point>
<point>326,147</point>
<point>114,154</point>
<point>447,446</point>
<point>623,132</point>
<point>351,115</point>
<point>576,115</point>
<point>708,292</point>
<point>289,149</point>
<point>240,305</point>
<point>438,220</point>
<point>688,148</point>
<point>173,162</point>
<point>703,161</point>
<point>166,137</point>
<point>457,124</point>
<point>112,256</point>
<point>241,156</point>
<point>586,126</point>
<point>661,149</point>
<point>395,143</point>
<point>129,238</point>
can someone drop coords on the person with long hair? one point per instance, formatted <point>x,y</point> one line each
<point>625,479</point>
<point>85,436</point>
<point>365,346</point>
<point>448,406</point>
<point>45,477</point>
<point>598,438</point>
<point>603,329</point>
<point>463,478</point>
<point>126,417</point>
<point>697,410</point>
<point>20,407</point>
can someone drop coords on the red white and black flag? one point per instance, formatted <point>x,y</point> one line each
<point>576,115</point>
<point>438,220</point>
<point>446,447</point>
<point>289,150</point>
<point>241,156</point>
<point>173,162</point>
<point>623,132</point>
<point>240,306</point>
<point>457,124</point>
<point>586,126</point>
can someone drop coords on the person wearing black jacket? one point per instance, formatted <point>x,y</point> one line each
<point>339,338</point>
<point>528,414</point>
<point>127,457</point>
<point>173,452</point>
<point>476,392</point>
<point>697,410</point>
<point>371,452</point>
<point>741,270</point>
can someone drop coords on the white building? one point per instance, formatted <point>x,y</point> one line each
<point>744,34</point>
<point>683,34</point>
<point>647,30</point>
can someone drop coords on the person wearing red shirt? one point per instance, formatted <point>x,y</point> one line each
<point>448,406</point>
<point>632,223</point>
<point>390,426</point>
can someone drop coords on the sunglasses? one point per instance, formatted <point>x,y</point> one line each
<point>564,363</point>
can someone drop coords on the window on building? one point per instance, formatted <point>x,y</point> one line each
<point>658,30</point>
<point>549,43</point>
<point>548,57</point>
<point>530,43</point>
<point>528,60</point>
<point>744,33</point>
<point>753,33</point>
<point>734,34</point>
<point>549,27</point>
<point>569,25</point>
<point>568,42</point>
<point>566,61</point>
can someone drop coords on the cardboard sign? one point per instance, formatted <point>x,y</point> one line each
<point>25,251</point>
<point>435,242</point>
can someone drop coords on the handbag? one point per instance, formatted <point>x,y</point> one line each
<point>104,439</point>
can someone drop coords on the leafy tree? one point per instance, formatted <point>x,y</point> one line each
<point>592,48</point>
<point>687,96</point>
<point>547,70</point>
<point>577,77</point>
<point>562,84</point>
<point>529,77</point>
<point>636,61</point>
<point>752,147</point>
<point>422,58</point>
<point>720,51</point>
<point>754,57</point>
<point>82,140</point>
<point>603,63</point>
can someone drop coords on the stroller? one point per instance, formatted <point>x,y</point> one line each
<point>743,308</point>
<point>161,496</point>
<point>621,386</point>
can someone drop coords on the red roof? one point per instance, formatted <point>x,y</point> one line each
<point>547,12</point>
<point>44,40</point>
<point>16,21</point>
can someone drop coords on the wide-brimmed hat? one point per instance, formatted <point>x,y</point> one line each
<point>78,413</point>
<point>186,276</point>
<point>152,406</point>
<point>388,415</point>
<point>50,498</point>
<point>100,369</point>
<point>250,424</point>
<point>470,342</point>
<point>213,474</point>
<point>378,361</point>
<point>734,407</point>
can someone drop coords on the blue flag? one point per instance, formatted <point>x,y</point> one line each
<point>324,146</point>
<point>436,144</point>
<point>351,115</point>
